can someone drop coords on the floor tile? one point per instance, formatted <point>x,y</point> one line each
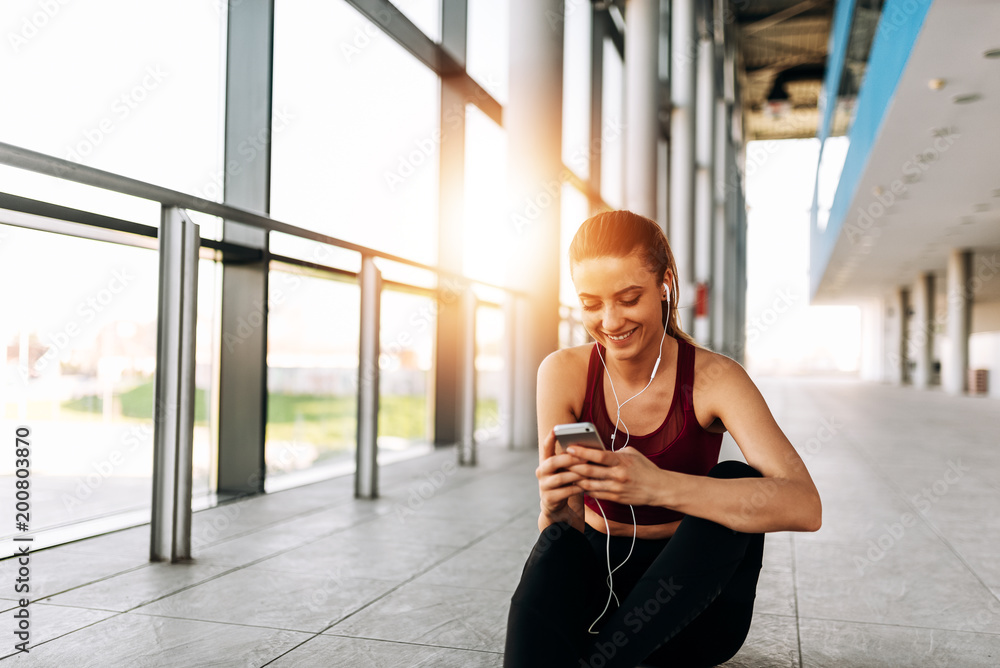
<point>434,615</point>
<point>326,650</point>
<point>129,590</point>
<point>478,568</point>
<point>140,641</point>
<point>772,642</point>
<point>373,559</point>
<point>829,644</point>
<point>258,597</point>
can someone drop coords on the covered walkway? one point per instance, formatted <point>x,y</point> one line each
<point>903,573</point>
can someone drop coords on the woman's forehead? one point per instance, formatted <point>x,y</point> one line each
<point>610,273</point>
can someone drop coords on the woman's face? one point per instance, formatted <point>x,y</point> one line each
<point>621,303</point>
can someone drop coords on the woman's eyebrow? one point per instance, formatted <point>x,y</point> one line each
<point>623,290</point>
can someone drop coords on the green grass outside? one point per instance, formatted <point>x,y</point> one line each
<point>329,422</point>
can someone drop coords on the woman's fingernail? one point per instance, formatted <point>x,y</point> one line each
<point>571,450</point>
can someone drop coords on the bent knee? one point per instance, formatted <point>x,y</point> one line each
<point>734,469</point>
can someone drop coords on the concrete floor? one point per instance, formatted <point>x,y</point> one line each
<point>905,571</point>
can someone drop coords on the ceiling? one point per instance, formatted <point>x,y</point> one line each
<point>954,202</point>
<point>783,42</point>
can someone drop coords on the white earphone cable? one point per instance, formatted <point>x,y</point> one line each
<point>611,591</point>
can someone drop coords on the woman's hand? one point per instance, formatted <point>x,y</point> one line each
<point>561,498</point>
<point>625,476</point>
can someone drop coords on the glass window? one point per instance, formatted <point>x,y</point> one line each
<point>79,364</point>
<point>312,369</point>
<point>358,158</point>
<point>407,332</point>
<point>487,234</point>
<point>612,124</point>
<point>491,374</point>
<point>574,210</point>
<point>108,84</point>
<point>487,46</point>
<point>425,14</point>
<point>208,339</point>
<point>576,90</point>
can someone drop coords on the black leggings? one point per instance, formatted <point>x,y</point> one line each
<point>686,600</point>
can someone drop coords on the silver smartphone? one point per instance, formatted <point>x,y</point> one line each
<point>578,433</point>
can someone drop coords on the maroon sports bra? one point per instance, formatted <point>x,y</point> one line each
<point>679,444</point>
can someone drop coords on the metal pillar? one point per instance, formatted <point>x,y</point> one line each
<point>642,18</point>
<point>173,435</point>
<point>955,369</point>
<point>467,443</point>
<point>922,336</point>
<point>598,30</point>
<point>704,155</point>
<point>533,118</point>
<point>366,473</point>
<point>451,232</point>
<point>509,361</point>
<point>683,47</point>
<point>243,363</point>
<point>719,237</point>
<point>904,336</point>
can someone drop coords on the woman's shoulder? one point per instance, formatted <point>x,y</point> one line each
<point>566,367</point>
<point>711,367</point>
<point>566,363</point>
<point>562,379</point>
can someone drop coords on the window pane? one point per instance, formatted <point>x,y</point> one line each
<point>574,209</point>
<point>312,367</point>
<point>487,49</point>
<point>487,231</point>
<point>79,363</point>
<point>358,161</point>
<point>576,90</point>
<point>425,14</point>
<point>405,417</point>
<point>612,141</point>
<point>491,374</point>
<point>129,87</point>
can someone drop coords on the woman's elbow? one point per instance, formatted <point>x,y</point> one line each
<point>812,518</point>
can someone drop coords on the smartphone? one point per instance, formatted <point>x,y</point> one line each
<point>578,433</point>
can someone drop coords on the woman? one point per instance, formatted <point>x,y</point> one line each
<point>649,549</point>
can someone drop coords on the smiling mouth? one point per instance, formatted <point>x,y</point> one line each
<point>623,336</point>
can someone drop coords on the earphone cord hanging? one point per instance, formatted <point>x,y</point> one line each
<point>611,591</point>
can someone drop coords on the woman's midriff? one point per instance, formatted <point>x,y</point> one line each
<point>596,520</point>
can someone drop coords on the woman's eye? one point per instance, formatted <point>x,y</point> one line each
<point>590,307</point>
<point>632,302</point>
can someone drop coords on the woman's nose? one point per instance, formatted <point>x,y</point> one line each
<point>612,319</point>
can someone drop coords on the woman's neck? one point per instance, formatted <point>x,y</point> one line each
<point>636,372</point>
